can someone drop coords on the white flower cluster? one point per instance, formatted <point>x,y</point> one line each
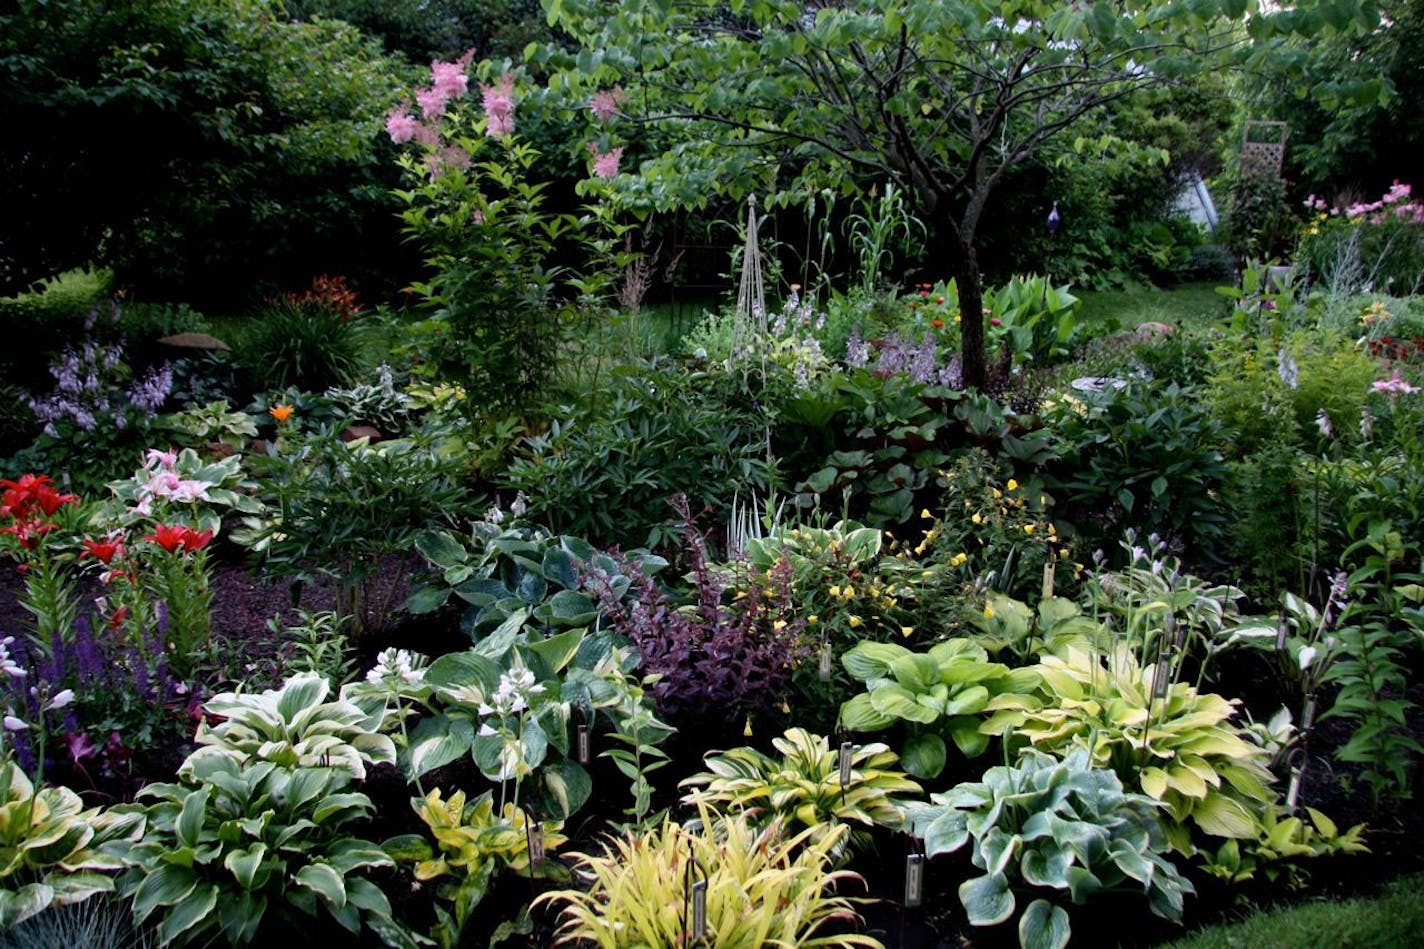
<point>397,667</point>
<point>512,695</point>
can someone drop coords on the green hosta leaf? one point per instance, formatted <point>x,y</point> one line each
<point>427,599</point>
<point>567,786</point>
<point>1222,816</point>
<point>408,848</point>
<point>164,885</point>
<point>894,700</point>
<point>189,826</point>
<point>859,714</point>
<point>970,701</point>
<point>441,549</point>
<point>19,905</point>
<point>987,900</point>
<point>437,742</point>
<point>1045,865</point>
<point>945,833</point>
<point>463,669</point>
<point>243,864</point>
<point>560,567</point>
<point>556,651</point>
<point>299,693</point>
<point>240,917</point>
<point>924,756</point>
<point>915,671</point>
<point>1044,926</point>
<point>567,609</point>
<point>870,660</point>
<point>323,880</point>
<point>193,910</point>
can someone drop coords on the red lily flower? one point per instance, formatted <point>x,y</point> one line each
<point>172,536</point>
<point>104,550</point>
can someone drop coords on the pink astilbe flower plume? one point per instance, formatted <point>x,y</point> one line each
<point>605,164</point>
<point>605,103</point>
<point>498,102</point>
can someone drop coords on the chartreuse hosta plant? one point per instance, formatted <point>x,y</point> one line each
<point>940,693</point>
<point>1058,830</point>
<point>473,842</point>
<point>236,845</point>
<point>763,888</point>
<point>802,788</point>
<point>294,726</point>
<point>52,849</point>
<point>1180,748</point>
<point>1281,841</point>
<point>510,703</point>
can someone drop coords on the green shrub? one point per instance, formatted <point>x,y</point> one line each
<point>604,470</point>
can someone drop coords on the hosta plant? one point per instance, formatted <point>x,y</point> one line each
<point>473,842</point>
<point>940,693</point>
<point>236,845</point>
<point>802,788</point>
<point>1057,830</point>
<point>52,847</point>
<point>763,889</point>
<point>1177,745</point>
<point>294,726</point>
<point>1282,840</point>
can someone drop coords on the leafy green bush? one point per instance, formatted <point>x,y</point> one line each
<point>1142,454</point>
<point>1067,827</point>
<point>605,469</point>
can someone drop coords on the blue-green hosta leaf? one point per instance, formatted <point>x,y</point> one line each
<point>1045,865</point>
<point>924,756</point>
<point>567,787</point>
<point>1044,926</point>
<point>945,833</point>
<point>567,609</point>
<point>997,850</point>
<point>427,599</point>
<point>987,900</point>
<point>452,674</point>
<point>1082,883</point>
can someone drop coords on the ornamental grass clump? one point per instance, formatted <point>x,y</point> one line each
<point>763,889</point>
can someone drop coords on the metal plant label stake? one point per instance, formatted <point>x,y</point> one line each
<point>1048,569</point>
<point>536,846</point>
<point>825,671</point>
<point>914,879</point>
<point>1282,631</point>
<point>846,750</point>
<point>584,755</point>
<point>697,927</point>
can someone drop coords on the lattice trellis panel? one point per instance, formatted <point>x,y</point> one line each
<point>1263,149</point>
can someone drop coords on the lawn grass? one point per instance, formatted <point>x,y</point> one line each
<point>1188,305</point>
<point>1394,919</point>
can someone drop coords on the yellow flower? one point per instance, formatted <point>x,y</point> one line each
<point>976,518</point>
<point>812,620</point>
<point>779,625</point>
<point>848,592</point>
<point>1028,528</point>
<point>835,591</point>
<point>925,514</point>
<point>959,559</point>
<point>855,622</point>
<point>281,412</point>
<point>747,731</point>
<point>907,631</point>
<point>1012,485</point>
<point>785,709</point>
<point>988,611</point>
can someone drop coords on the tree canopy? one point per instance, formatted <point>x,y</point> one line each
<point>945,99</point>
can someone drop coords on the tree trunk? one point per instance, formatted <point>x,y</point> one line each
<point>971,318</point>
